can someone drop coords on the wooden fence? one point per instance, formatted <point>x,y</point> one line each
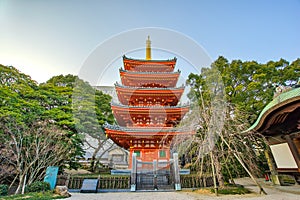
<point>194,181</point>
<point>123,182</point>
<point>105,182</point>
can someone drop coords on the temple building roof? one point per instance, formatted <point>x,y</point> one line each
<point>281,115</point>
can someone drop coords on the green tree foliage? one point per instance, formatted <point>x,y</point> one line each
<point>24,103</point>
<point>3,190</point>
<point>86,109</point>
<point>56,98</point>
<point>89,109</point>
<point>16,92</point>
<point>247,87</point>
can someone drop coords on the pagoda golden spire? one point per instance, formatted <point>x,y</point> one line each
<point>148,48</point>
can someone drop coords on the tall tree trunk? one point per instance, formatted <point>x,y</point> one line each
<point>201,166</point>
<point>21,180</point>
<point>24,184</point>
<point>92,168</point>
<point>213,173</point>
<point>218,168</point>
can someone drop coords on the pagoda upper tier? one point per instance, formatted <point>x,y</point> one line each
<point>155,116</point>
<point>144,137</point>
<point>140,65</point>
<point>148,96</point>
<point>149,79</point>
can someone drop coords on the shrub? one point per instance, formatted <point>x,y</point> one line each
<point>38,186</point>
<point>49,195</point>
<point>238,189</point>
<point>3,190</point>
<point>286,180</point>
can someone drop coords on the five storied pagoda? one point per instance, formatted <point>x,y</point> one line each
<point>147,112</point>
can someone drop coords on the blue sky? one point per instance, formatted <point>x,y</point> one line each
<point>47,38</point>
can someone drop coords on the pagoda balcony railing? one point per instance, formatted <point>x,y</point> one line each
<point>181,105</point>
<point>138,72</point>
<point>148,129</point>
<point>147,88</point>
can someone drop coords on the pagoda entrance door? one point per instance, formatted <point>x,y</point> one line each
<point>156,175</point>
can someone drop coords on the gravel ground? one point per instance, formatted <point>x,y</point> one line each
<point>274,193</point>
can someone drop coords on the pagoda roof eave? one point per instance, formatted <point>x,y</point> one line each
<point>151,107</point>
<point>117,85</point>
<point>149,79</point>
<point>152,60</point>
<point>151,72</point>
<point>151,130</point>
<point>127,115</point>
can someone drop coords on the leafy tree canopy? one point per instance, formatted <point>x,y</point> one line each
<point>66,101</point>
<point>248,85</point>
<point>231,95</point>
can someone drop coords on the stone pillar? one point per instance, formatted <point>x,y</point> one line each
<point>176,172</point>
<point>133,173</point>
<point>155,175</point>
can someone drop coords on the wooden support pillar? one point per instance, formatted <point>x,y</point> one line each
<point>293,149</point>
<point>274,174</point>
<point>130,158</point>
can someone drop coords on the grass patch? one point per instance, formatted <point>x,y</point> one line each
<point>238,189</point>
<point>34,196</point>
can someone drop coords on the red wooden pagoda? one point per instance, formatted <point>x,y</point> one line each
<point>148,112</point>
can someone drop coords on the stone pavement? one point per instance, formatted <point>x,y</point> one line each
<point>273,193</point>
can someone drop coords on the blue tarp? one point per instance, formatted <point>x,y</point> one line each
<point>51,176</point>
